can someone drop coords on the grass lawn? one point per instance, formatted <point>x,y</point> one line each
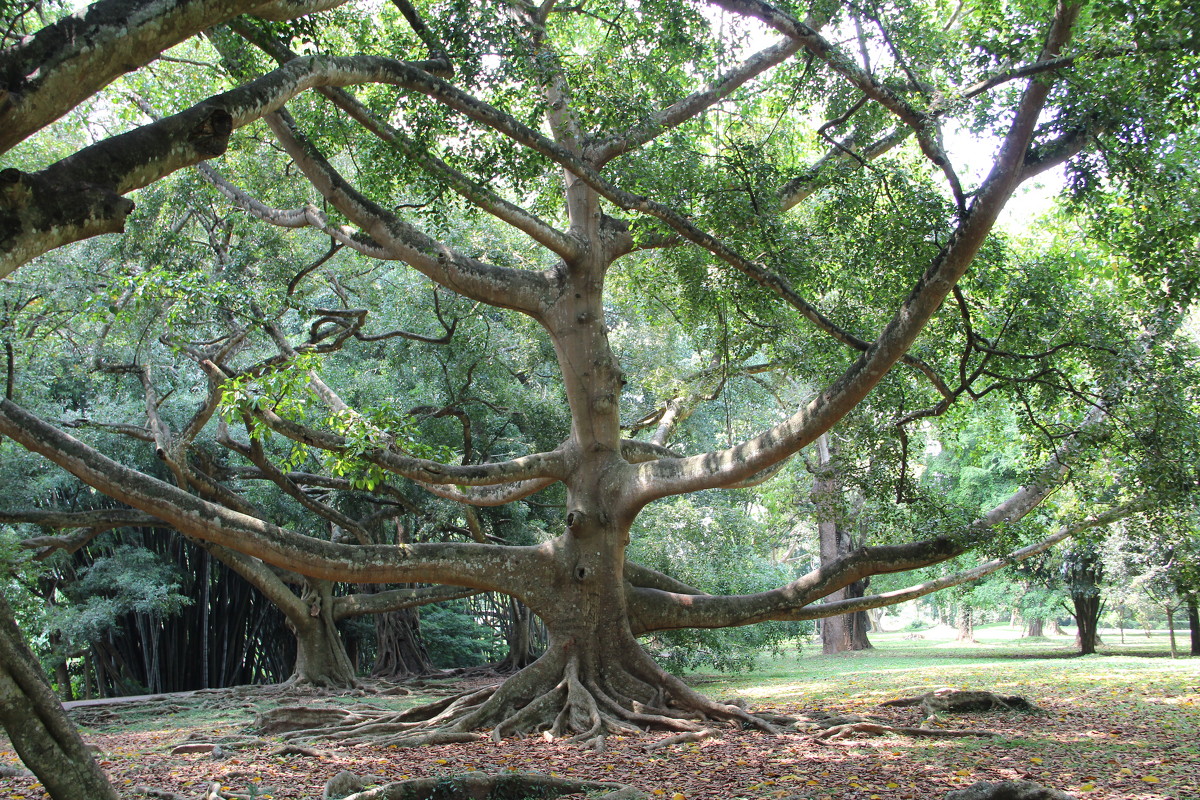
<point>1121,725</point>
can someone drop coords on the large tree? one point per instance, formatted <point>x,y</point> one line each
<point>735,151</point>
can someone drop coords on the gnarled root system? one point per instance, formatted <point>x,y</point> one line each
<point>562,695</point>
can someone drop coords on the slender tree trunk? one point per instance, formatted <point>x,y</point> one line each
<point>47,742</point>
<point>1171,630</point>
<point>1193,613</point>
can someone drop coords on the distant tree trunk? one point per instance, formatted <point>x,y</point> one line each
<point>1193,613</point>
<point>523,645</point>
<point>1056,629</point>
<point>1036,627</point>
<point>62,675</point>
<point>846,631</point>
<point>402,653</point>
<point>859,621</point>
<point>1171,629</point>
<point>47,742</point>
<point>1084,573</point>
<point>965,622</point>
<point>1087,614</point>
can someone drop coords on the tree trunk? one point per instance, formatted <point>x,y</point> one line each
<point>523,647</point>
<point>1171,630</point>
<point>1036,627</point>
<point>1193,613</point>
<point>47,742</point>
<point>860,621</point>
<point>402,653</point>
<point>965,622</point>
<point>321,657</point>
<point>847,631</point>
<point>1087,614</point>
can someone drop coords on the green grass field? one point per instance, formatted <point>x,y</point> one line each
<point>1001,660</point>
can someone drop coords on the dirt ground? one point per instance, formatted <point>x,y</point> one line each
<point>1105,747</point>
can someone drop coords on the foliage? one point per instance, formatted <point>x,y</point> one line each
<point>455,638</point>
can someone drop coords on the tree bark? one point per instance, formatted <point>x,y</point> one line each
<point>844,632</point>
<point>1087,614</point>
<point>965,623</point>
<point>1036,627</point>
<point>321,657</point>
<point>47,742</point>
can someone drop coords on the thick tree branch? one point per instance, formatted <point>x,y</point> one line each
<point>485,567</point>
<point>49,73</point>
<point>481,196</point>
<point>509,288</point>
<point>786,602</point>
<point>664,477</point>
<point>851,605</point>
<point>362,603</point>
<point>601,152</point>
<point>81,196</point>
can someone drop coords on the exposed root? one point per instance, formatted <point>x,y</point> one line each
<point>496,787</point>
<point>159,794</point>
<point>875,729</point>
<point>962,701</point>
<point>207,743</point>
<point>683,738</point>
<point>562,695</point>
<point>297,750</point>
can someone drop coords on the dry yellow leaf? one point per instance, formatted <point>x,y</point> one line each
<point>1149,779</point>
<point>678,796</point>
<point>963,772</point>
<point>1036,760</point>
